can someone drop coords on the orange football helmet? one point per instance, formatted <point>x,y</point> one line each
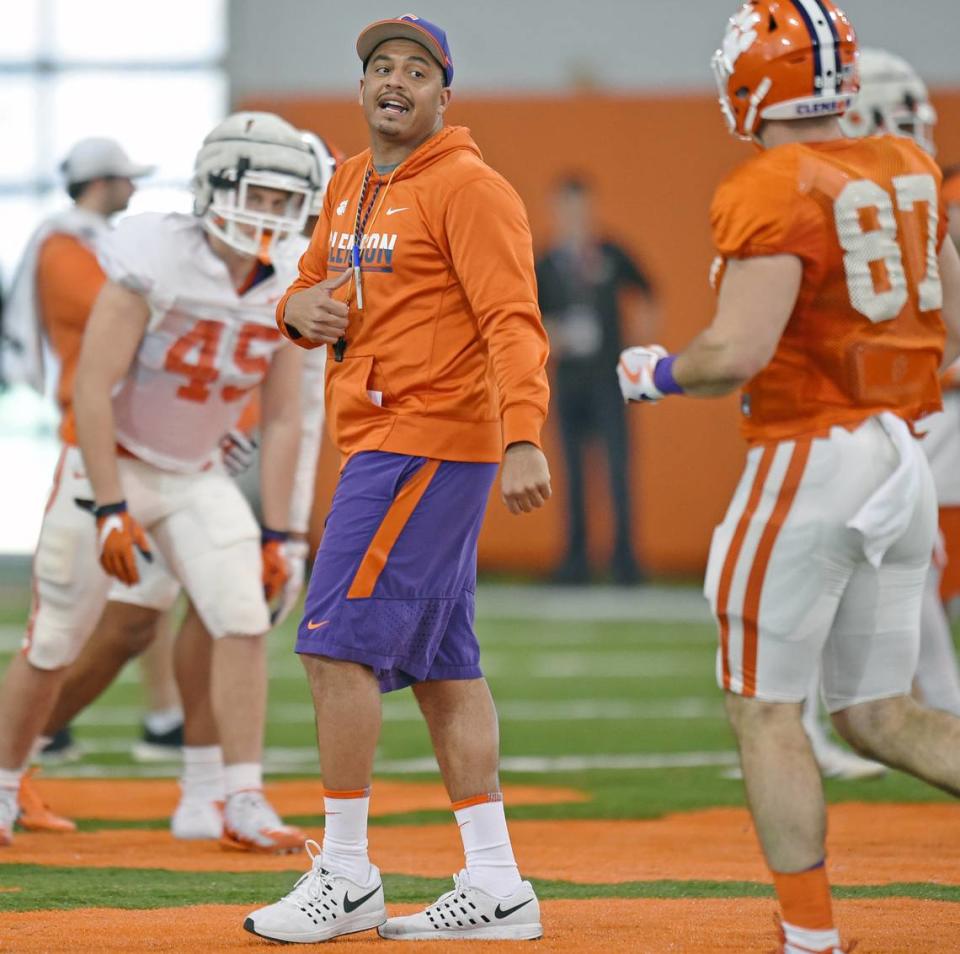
<point>785,59</point>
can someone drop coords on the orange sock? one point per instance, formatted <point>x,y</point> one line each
<point>805,898</point>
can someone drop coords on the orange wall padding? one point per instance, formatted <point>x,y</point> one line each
<point>655,163</point>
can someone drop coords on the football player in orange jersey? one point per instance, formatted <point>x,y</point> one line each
<point>835,285</point>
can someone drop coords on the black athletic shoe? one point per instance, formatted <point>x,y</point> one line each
<point>61,748</point>
<point>159,746</point>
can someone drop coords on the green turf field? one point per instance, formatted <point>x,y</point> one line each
<point>609,692</point>
<point>626,709</point>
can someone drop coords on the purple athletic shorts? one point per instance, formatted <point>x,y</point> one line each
<point>394,579</point>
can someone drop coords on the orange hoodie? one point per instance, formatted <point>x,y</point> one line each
<point>446,357</point>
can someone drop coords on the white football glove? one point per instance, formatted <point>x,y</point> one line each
<point>295,552</point>
<point>635,373</point>
<point>237,450</point>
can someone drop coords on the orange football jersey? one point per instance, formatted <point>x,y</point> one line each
<point>68,282</point>
<point>866,219</point>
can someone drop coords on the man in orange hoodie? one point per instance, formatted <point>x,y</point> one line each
<point>420,280</point>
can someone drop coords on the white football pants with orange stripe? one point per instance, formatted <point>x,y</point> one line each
<point>789,580</point>
<point>199,524</point>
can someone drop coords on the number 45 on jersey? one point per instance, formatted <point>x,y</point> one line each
<point>212,354</point>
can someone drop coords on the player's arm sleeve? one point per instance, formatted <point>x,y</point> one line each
<point>311,428</point>
<point>763,212</point>
<point>131,256</point>
<point>311,271</point>
<point>70,276</point>
<point>492,253</point>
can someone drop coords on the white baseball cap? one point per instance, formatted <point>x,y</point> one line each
<point>97,158</point>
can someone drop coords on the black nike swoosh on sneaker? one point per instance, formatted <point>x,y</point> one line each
<point>349,906</point>
<point>500,913</point>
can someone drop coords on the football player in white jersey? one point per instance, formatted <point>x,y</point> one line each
<point>893,100</point>
<point>198,814</point>
<point>181,333</point>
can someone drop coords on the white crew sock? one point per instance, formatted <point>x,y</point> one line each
<point>10,780</point>
<point>486,844</point>
<point>243,777</point>
<point>345,834</point>
<point>802,940</point>
<point>202,772</point>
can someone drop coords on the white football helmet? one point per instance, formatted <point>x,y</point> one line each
<point>892,99</point>
<point>253,150</point>
<point>326,166</point>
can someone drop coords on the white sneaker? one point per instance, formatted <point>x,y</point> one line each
<point>835,762</point>
<point>321,906</point>
<point>9,809</point>
<point>251,824</point>
<point>196,818</point>
<point>470,914</point>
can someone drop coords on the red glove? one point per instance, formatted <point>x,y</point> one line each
<point>117,536</point>
<point>276,572</point>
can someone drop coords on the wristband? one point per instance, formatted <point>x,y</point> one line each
<point>269,536</point>
<point>663,378</point>
<point>108,510</point>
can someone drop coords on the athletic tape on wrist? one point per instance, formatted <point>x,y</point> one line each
<point>663,377</point>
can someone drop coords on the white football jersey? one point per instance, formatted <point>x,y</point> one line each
<point>206,345</point>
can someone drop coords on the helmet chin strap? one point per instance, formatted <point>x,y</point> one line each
<point>759,95</point>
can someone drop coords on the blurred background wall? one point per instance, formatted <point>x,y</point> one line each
<point>622,92</point>
<point>520,46</point>
<point>619,91</point>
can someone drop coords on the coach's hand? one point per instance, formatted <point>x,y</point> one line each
<point>276,571</point>
<point>525,480</point>
<point>315,313</point>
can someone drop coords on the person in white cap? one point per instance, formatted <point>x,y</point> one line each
<point>893,100</point>
<point>52,293</point>
<point>58,277</point>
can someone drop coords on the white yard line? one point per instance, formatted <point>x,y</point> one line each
<point>305,759</point>
<point>545,764</point>
<point>571,710</point>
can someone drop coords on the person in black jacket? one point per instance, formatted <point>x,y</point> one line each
<point>582,279</point>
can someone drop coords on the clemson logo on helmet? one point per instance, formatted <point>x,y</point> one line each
<point>740,35</point>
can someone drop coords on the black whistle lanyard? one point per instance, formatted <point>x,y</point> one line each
<point>359,229</point>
